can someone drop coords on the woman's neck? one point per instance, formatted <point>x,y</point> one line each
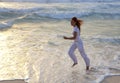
<point>74,26</point>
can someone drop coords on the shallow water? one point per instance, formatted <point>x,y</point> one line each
<point>32,47</point>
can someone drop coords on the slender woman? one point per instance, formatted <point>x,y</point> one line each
<point>76,23</point>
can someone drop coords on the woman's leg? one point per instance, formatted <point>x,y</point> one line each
<point>83,54</point>
<point>71,53</point>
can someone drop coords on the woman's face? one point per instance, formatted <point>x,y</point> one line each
<point>73,23</point>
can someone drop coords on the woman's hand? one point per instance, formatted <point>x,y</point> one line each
<point>65,37</point>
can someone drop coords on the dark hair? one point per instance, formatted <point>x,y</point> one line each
<point>78,22</point>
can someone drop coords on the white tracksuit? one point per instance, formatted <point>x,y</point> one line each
<point>78,44</point>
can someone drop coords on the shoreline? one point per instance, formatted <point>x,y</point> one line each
<point>13,81</point>
<point>111,79</point>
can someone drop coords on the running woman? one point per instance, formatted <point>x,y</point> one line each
<point>76,23</point>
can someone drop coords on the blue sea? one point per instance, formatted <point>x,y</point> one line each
<point>32,45</point>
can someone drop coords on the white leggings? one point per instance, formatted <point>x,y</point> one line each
<point>80,47</point>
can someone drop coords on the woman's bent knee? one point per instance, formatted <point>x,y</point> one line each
<point>70,53</point>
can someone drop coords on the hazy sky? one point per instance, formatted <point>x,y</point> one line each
<point>58,0</point>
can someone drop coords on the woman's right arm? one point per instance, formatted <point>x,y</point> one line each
<point>71,38</point>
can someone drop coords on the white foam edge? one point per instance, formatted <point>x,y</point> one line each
<point>101,78</point>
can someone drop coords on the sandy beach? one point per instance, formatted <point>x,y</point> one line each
<point>13,81</point>
<point>111,79</point>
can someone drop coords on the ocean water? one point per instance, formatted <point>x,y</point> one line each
<point>32,47</point>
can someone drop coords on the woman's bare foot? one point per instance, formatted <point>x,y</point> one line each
<point>74,64</point>
<point>87,68</point>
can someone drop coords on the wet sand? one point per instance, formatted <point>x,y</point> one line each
<point>111,79</point>
<point>13,81</point>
